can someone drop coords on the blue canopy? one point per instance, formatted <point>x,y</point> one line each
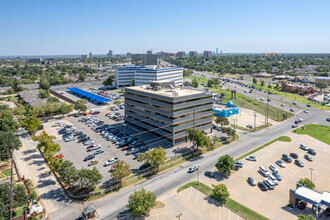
<point>89,95</point>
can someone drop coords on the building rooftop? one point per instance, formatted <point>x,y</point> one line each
<point>169,92</point>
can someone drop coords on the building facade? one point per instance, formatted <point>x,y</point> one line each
<point>143,75</point>
<point>181,54</point>
<point>207,53</point>
<point>110,54</point>
<point>192,53</point>
<point>168,112</point>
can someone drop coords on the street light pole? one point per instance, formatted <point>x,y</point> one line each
<point>255,120</point>
<point>11,182</point>
<point>198,176</point>
<point>311,169</point>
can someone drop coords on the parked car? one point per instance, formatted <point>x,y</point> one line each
<point>264,171</point>
<point>327,212</point>
<point>302,205</point>
<point>96,112</point>
<point>311,151</point>
<point>280,163</point>
<point>269,184</point>
<point>111,161</point>
<point>294,126</point>
<point>308,157</point>
<point>251,158</point>
<point>286,158</point>
<point>305,111</point>
<point>273,179</point>
<point>94,148</point>
<point>89,157</point>
<point>193,169</point>
<point>262,186</point>
<point>56,124</point>
<point>277,176</point>
<point>273,168</point>
<point>145,166</point>
<point>238,164</point>
<point>100,151</point>
<point>251,181</point>
<point>303,147</point>
<point>299,163</point>
<point>209,174</point>
<point>93,162</point>
<point>294,155</point>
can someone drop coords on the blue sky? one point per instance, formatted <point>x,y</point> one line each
<point>58,27</point>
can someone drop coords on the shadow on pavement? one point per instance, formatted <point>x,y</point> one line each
<point>38,162</point>
<point>45,183</point>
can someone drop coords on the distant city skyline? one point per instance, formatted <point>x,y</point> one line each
<point>64,27</point>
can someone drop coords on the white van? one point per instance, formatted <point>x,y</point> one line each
<point>264,171</point>
<point>273,179</point>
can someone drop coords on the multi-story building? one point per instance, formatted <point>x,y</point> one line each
<point>192,53</point>
<point>166,55</point>
<point>84,56</point>
<point>128,55</point>
<point>181,54</point>
<point>144,59</point>
<point>143,75</point>
<point>34,60</point>
<point>168,111</point>
<point>90,55</point>
<point>110,54</point>
<point>149,52</point>
<point>207,53</point>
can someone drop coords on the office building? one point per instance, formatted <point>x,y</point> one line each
<point>181,54</point>
<point>216,51</point>
<point>166,111</point>
<point>192,53</point>
<point>144,59</point>
<point>207,53</point>
<point>90,55</point>
<point>166,55</point>
<point>34,60</point>
<point>144,75</point>
<point>149,52</point>
<point>84,56</point>
<point>110,54</point>
<point>128,55</point>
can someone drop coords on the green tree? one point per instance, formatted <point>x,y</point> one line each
<point>321,85</point>
<point>194,83</point>
<point>306,217</point>
<point>222,120</point>
<point>117,102</point>
<point>262,83</point>
<point>141,202</point>
<point>81,76</point>
<point>31,123</point>
<point>214,140</point>
<point>88,179</point>
<point>225,164</point>
<point>155,157</point>
<point>7,122</point>
<point>187,73</point>
<point>132,82</point>
<point>269,86</point>
<point>120,171</point>
<point>307,183</point>
<point>68,173</point>
<point>220,193</point>
<point>200,139</point>
<point>186,83</point>
<point>65,109</point>
<point>80,105</point>
<point>254,81</point>
<point>230,132</point>
<point>108,81</point>
<point>43,94</point>
<point>8,142</point>
<point>53,99</point>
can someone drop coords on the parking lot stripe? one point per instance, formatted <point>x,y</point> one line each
<point>196,198</point>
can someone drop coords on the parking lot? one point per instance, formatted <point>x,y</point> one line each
<point>273,203</point>
<point>76,152</point>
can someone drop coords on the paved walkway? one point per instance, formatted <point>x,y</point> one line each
<point>32,166</point>
<point>192,204</point>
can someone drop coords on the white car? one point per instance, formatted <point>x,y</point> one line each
<point>264,171</point>
<point>111,161</point>
<point>273,179</point>
<point>305,111</point>
<point>193,169</point>
<point>280,163</point>
<point>57,124</point>
<point>301,120</point>
<point>273,168</point>
<point>251,158</point>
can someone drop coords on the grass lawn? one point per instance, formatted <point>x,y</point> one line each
<point>12,99</point>
<point>7,172</point>
<point>281,138</point>
<point>202,80</point>
<point>320,132</point>
<point>293,97</point>
<point>19,211</point>
<point>255,105</point>
<point>230,203</point>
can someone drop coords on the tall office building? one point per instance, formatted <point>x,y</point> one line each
<point>216,51</point>
<point>192,53</point>
<point>166,111</point>
<point>128,55</point>
<point>149,52</point>
<point>144,75</point>
<point>84,56</point>
<point>181,54</point>
<point>110,54</point>
<point>90,55</point>
<point>207,53</point>
<point>144,59</point>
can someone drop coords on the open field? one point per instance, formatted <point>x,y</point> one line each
<point>320,132</point>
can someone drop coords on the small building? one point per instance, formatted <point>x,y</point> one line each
<point>89,213</point>
<point>303,90</point>
<point>181,54</point>
<point>226,110</point>
<point>192,53</point>
<point>262,74</point>
<point>207,53</point>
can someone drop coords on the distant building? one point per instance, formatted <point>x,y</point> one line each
<point>322,79</point>
<point>216,51</point>
<point>192,53</point>
<point>181,54</point>
<point>143,75</point>
<point>48,61</point>
<point>207,53</point>
<point>34,60</point>
<point>90,55</point>
<point>84,56</point>
<point>149,52</point>
<point>166,55</point>
<point>303,90</point>
<point>144,59</point>
<point>262,74</point>
<point>91,65</point>
<point>110,54</point>
<point>168,112</point>
<point>271,54</point>
<point>129,55</point>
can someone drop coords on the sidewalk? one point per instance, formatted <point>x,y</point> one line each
<point>33,166</point>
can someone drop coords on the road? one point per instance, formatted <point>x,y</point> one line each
<point>111,206</point>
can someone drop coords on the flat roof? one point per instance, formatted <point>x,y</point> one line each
<point>317,197</point>
<point>168,92</point>
<point>147,69</point>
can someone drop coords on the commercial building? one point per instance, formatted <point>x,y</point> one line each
<point>207,53</point>
<point>84,56</point>
<point>168,111</point>
<point>144,59</point>
<point>192,53</point>
<point>143,75</point>
<point>110,54</point>
<point>181,54</point>
<point>90,55</point>
<point>34,60</point>
<point>166,55</point>
<point>128,55</point>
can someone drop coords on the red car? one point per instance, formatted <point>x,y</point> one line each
<point>85,113</point>
<point>97,112</point>
<point>107,114</point>
<point>127,147</point>
<point>302,205</point>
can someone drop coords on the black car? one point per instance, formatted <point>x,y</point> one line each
<point>145,166</point>
<point>83,139</point>
<point>299,163</point>
<point>62,131</point>
<point>327,212</point>
<point>89,157</point>
<point>262,186</point>
<point>294,155</point>
<point>311,151</point>
<point>251,181</point>
<point>209,174</point>
<point>286,158</point>
<point>308,105</point>
<point>78,133</point>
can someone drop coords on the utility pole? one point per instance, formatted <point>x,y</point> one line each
<point>11,182</point>
<point>194,131</point>
<point>311,169</point>
<point>267,108</point>
<point>178,216</point>
<point>255,120</point>
<point>198,176</point>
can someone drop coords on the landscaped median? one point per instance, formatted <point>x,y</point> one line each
<point>230,204</point>
<point>281,138</point>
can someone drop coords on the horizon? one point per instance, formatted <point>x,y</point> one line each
<point>64,28</point>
